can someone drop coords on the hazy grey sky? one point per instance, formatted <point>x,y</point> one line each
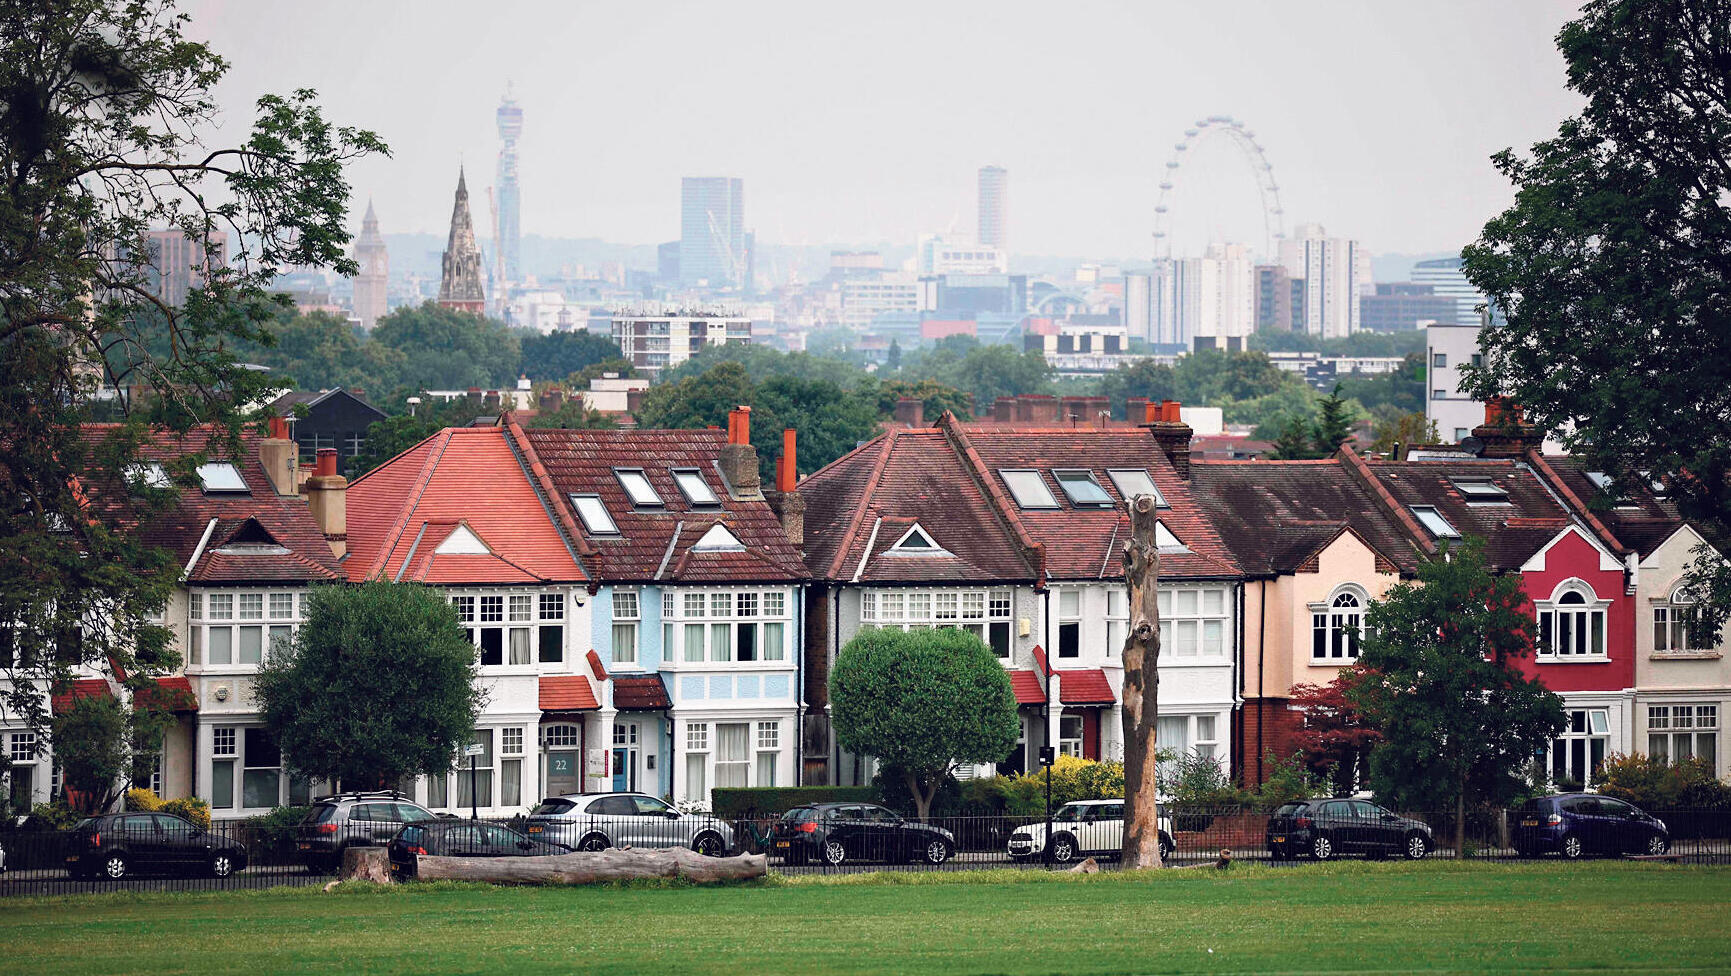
<point>867,121</point>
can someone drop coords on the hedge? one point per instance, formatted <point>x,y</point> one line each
<point>773,801</point>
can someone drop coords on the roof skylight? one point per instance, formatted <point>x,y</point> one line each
<point>694,488</point>
<point>1476,490</point>
<point>638,488</point>
<point>148,475</point>
<point>1028,487</point>
<point>1083,490</point>
<point>1136,481</point>
<point>1434,522</point>
<point>594,513</point>
<point>221,476</point>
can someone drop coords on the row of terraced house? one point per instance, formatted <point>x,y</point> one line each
<point>648,615</point>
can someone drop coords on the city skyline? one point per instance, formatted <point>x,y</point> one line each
<point>879,151</point>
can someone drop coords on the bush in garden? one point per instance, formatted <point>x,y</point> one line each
<point>143,800</point>
<point>190,807</point>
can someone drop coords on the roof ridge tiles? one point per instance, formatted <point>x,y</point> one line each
<point>872,481</point>
<point>1573,501</point>
<point>1360,470</point>
<point>958,438</point>
<point>405,515</point>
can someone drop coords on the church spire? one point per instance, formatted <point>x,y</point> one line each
<point>460,284</point>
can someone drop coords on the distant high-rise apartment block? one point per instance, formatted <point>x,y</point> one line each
<point>994,186</point>
<point>1399,306</point>
<point>1210,296</point>
<point>653,342</point>
<point>667,261</point>
<point>1139,307</point>
<point>175,264</point>
<point>1336,271</point>
<point>510,121</point>
<point>461,284</point>
<point>375,262</point>
<point>1445,278</point>
<point>1279,299</point>
<point>712,249</point>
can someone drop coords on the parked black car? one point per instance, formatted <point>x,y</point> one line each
<point>352,820</point>
<point>1577,824</point>
<point>1325,829</point>
<point>460,838</point>
<point>117,845</point>
<point>836,833</point>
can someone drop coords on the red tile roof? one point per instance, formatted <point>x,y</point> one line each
<point>79,690</point>
<point>640,693</point>
<point>1082,686</point>
<point>656,544</point>
<point>567,693</point>
<point>400,512</point>
<point>172,694</point>
<point>871,496</point>
<point>258,535</point>
<point>1026,686</point>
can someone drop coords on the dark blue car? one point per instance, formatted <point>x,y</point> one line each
<point>1578,824</point>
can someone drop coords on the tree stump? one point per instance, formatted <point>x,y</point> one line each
<point>366,864</point>
<point>581,867</point>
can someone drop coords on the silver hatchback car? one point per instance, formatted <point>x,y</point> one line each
<point>597,821</point>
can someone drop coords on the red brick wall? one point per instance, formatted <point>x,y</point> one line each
<point>1277,724</point>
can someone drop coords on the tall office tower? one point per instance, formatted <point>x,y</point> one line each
<point>175,264</point>
<point>510,119</point>
<point>1445,278</point>
<point>1336,271</point>
<point>460,281</point>
<point>375,264</point>
<point>994,186</point>
<point>712,231</point>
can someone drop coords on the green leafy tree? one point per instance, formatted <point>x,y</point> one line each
<point>1401,389</point>
<point>892,356</point>
<point>380,683</point>
<point>573,415</point>
<point>1438,679</point>
<point>934,397</point>
<point>319,351</point>
<point>99,746</point>
<point>836,341</point>
<point>445,349</point>
<point>1613,266</point>
<point>556,355</point>
<point>922,702</point>
<point>696,401</point>
<point>1294,442</point>
<point>1141,378</point>
<point>106,134</point>
<point>1333,423</point>
<point>1390,427</point>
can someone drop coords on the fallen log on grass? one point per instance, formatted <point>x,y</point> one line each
<point>613,864</point>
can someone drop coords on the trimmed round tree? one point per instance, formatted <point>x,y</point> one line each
<point>921,702</point>
<point>379,684</point>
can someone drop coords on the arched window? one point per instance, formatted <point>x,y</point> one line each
<point>1335,626</point>
<point>1572,625</point>
<point>1677,625</point>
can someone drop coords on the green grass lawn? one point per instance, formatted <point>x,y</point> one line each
<point>1341,918</point>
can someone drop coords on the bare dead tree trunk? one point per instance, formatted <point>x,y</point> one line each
<point>1141,688</point>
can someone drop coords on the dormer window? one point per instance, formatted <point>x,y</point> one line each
<point>1434,522</point>
<point>221,477</point>
<point>1476,490</point>
<point>637,488</point>
<point>1028,488</point>
<point>593,511</point>
<point>916,541</point>
<point>1083,490</point>
<point>148,475</point>
<point>694,488</point>
<point>1136,481</point>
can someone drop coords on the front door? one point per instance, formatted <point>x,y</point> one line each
<point>563,772</point>
<point>627,756</point>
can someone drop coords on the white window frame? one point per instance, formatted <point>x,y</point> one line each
<point>1675,630</point>
<point>1186,621</point>
<point>1593,726</point>
<point>705,614</point>
<point>625,626</point>
<point>1575,631</point>
<point>980,612</point>
<point>1684,730</point>
<point>1339,624</point>
<point>481,610</point>
<point>238,615</point>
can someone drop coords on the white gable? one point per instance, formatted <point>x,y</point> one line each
<point>718,537</point>
<point>917,541</point>
<point>462,542</point>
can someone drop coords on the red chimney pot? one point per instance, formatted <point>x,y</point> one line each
<point>327,463</point>
<point>787,466</point>
<point>279,428</point>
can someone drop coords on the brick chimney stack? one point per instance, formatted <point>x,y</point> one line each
<point>786,499</point>
<point>280,457</point>
<point>327,496</point>
<point>910,411</point>
<point>739,459</point>
<point>1165,420</point>
<point>552,399</point>
<point>1505,434</point>
<point>1004,409</point>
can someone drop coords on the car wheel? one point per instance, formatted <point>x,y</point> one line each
<point>1322,848</point>
<point>1416,847</point>
<point>1166,848</point>
<point>1658,844</point>
<point>1571,847</point>
<point>936,851</point>
<point>221,866</point>
<point>1063,849</point>
<point>834,854</point>
<point>592,843</point>
<point>115,866</point>
<point>709,845</point>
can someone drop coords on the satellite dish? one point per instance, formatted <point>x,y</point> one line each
<point>1472,445</point>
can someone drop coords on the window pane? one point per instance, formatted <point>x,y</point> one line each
<point>521,607</point>
<point>1135,481</point>
<point>746,635</point>
<point>1214,603</point>
<point>492,646</point>
<point>1070,603</point>
<point>552,644</point>
<point>1213,637</point>
<point>1186,603</point>
<point>694,642</point>
<point>774,648</point>
<point>720,642</point>
<point>519,645</point>
<point>638,488</point>
<point>765,769</point>
<point>251,645</point>
<point>222,784</point>
<point>280,636</point>
<point>1000,638</point>
<point>511,782</point>
<point>1082,489</point>
<point>260,788</point>
<point>220,645</point>
<point>696,776</point>
<point>1069,640</point>
<point>624,642</point>
<point>1029,489</point>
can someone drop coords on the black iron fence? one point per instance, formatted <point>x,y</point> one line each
<point>156,852</point>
